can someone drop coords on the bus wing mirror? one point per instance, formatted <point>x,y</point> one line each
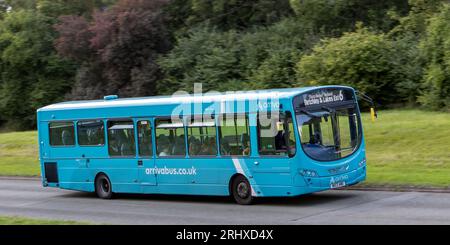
<point>373,112</point>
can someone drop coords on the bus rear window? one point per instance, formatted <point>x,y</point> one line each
<point>62,134</point>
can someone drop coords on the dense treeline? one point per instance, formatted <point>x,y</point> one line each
<point>397,51</point>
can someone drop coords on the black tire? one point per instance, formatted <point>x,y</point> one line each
<point>241,190</point>
<point>103,187</point>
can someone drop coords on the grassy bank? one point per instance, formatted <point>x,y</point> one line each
<point>19,154</point>
<point>7,220</point>
<point>409,147</point>
<point>404,147</point>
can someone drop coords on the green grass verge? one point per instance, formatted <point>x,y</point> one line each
<point>19,154</point>
<point>404,147</point>
<point>7,220</point>
<point>408,147</point>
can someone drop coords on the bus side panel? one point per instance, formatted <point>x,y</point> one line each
<point>198,176</point>
<point>74,175</point>
<point>122,172</point>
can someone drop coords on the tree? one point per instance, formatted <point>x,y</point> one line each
<point>56,8</point>
<point>360,59</point>
<point>31,74</point>
<point>227,14</point>
<point>435,47</point>
<point>117,50</point>
<point>338,16</point>
<point>234,60</point>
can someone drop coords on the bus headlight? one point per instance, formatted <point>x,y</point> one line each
<point>308,173</point>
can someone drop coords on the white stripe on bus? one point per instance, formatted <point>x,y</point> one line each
<point>240,170</point>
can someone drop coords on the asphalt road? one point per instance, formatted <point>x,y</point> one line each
<point>28,198</point>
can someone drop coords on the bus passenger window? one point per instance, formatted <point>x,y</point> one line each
<point>121,138</point>
<point>170,139</point>
<point>202,137</point>
<point>276,134</point>
<point>61,134</point>
<point>91,133</point>
<point>234,135</point>
<point>145,138</point>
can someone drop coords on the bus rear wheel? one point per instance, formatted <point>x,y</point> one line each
<point>103,187</point>
<point>241,191</point>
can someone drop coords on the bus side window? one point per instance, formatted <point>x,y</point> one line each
<point>234,135</point>
<point>91,133</point>
<point>276,134</point>
<point>61,134</point>
<point>145,138</point>
<point>121,138</point>
<point>202,137</point>
<point>170,139</point>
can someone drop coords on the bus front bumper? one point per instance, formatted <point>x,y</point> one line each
<point>306,185</point>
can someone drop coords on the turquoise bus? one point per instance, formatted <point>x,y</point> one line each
<point>267,143</point>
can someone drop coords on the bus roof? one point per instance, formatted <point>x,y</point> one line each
<point>178,99</point>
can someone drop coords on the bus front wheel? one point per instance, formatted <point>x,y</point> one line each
<point>103,187</point>
<point>241,190</point>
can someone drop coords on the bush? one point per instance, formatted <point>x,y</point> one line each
<point>364,60</point>
<point>435,48</point>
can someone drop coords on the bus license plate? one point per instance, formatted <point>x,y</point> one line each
<point>337,185</point>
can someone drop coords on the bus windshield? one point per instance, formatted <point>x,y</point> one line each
<point>328,136</point>
<point>328,123</point>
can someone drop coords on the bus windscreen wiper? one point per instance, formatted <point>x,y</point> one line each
<point>328,109</point>
<point>309,113</point>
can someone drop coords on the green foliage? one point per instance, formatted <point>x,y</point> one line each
<point>416,21</point>
<point>31,74</point>
<point>435,48</point>
<point>228,14</point>
<point>361,59</point>
<point>14,220</point>
<point>138,48</point>
<point>56,8</point>
<point>231,60</point>
<point>338,16</point>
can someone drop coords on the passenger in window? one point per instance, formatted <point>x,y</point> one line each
<point>126,148</point>
<point>246,151</point>
<point>245,139</point>
<point>194,146</point>
<point>67,138</point>
<point>209,147</point>
<point>179,146</point>
<point>225,148</point>
<point>165,150</point>
<point>114,147</point>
